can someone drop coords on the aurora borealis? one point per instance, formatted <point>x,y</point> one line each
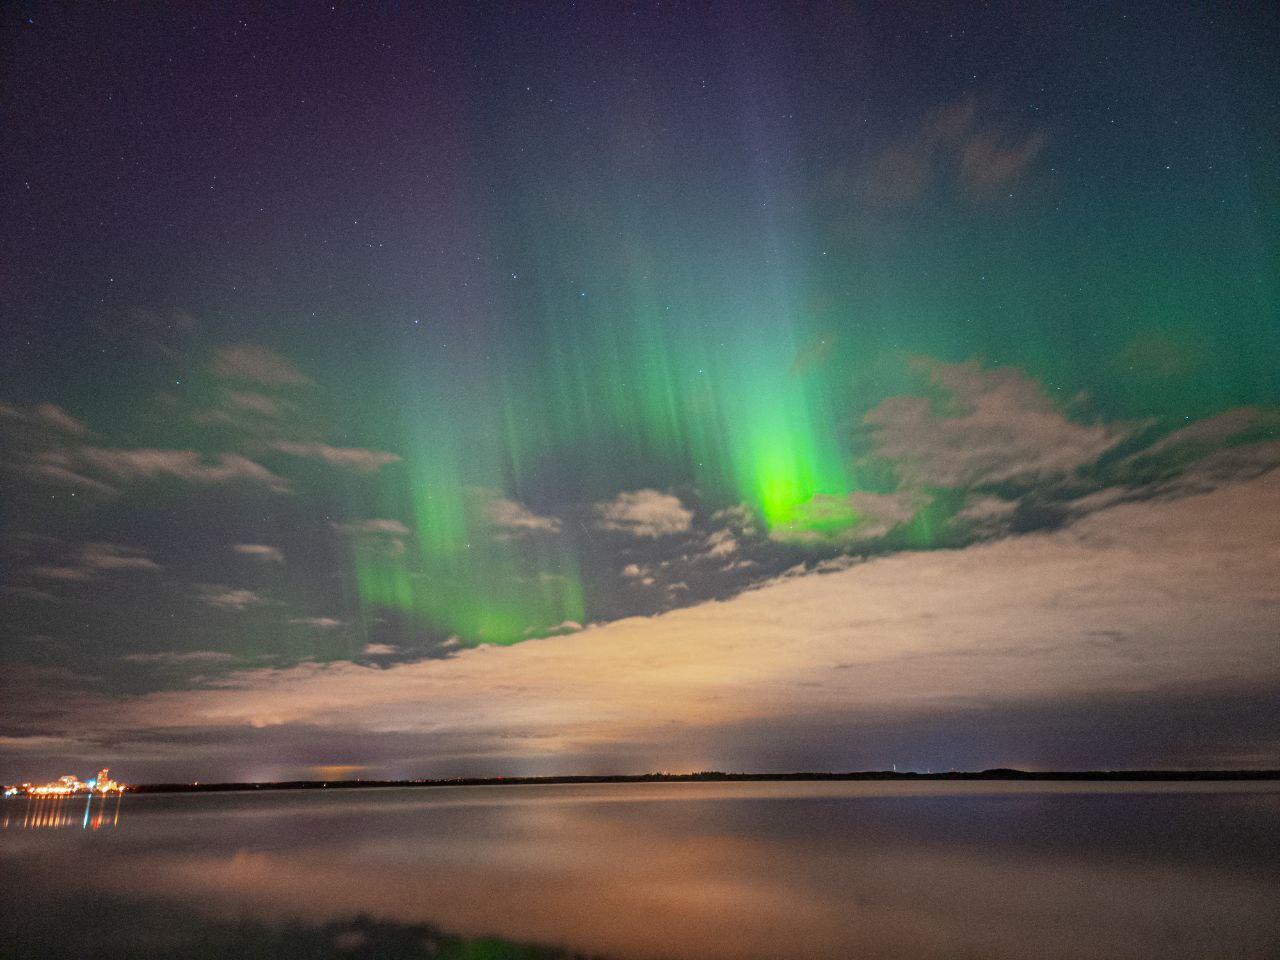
<point>427,353</point>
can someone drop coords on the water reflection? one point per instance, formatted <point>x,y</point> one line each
<point>723,871</point>
<point>90,812</point>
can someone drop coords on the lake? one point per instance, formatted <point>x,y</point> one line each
<point>657,870</point>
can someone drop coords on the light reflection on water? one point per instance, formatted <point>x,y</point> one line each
<point>89,812</point>
<point>801,870</point>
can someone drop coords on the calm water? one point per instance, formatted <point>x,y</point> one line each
<point>674,871</point>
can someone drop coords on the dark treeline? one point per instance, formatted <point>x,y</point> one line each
<point>718,776</point>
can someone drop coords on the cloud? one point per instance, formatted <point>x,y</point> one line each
<point>49,572</point>
<point>991,161</point>
<point>48,416</point>
<point>644,513</point>
<point>364,461</point>
<point>29,593</point>
<point>254,403</point>
<point>45,448</point>
<point>515,517</point>
<point>228,598</point>
<point>1203,436</point>
<point>152,464</point>
<point>849,519</point>
<point>259,551</point>
<point>247,361</point>
<point>319,623</point>
<point>174,658</point>
<point>953,144</point>
<point>59,419</point>
<point>1158,600</point>
<point>46,468</point>
<point>376,526</point>
<point>94,558</point>
<point>110,556</point>
<point>1001,427</point>
<point>42,745</point>
<point>985,511</point>
<point>721,544</point>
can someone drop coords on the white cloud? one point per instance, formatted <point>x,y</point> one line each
<point>986,511</point>
<point>259,551</point>
<point>59,419</point>
<point>644,513</point>
<point>1138,598</point>
<point>721,544</point>
<point>247,361</point>
<point>110,556</point>
<point>94,558</point>
<point>740,518</point>
<point>46,468</point>
<point>513,516</point>
<point>45,416</point>
<point>1004,427</point>
<point>228,598</point>
<point>152,464</point>
<point>354,458</point>
<point>1212,431</point>
<point>254,403</point>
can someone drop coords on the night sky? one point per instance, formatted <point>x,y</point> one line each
<point>541,388</point>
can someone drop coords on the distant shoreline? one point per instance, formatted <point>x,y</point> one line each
<point>1006,775</point>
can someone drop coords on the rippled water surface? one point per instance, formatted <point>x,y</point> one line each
<point>701,870</point>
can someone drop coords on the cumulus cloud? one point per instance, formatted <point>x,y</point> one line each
<point>721,543</point>
<point>228,598</point>
<point>259,551</point>
<point>1002,427</point>
<point>644,513</point>
<point>247,361</point>
<point>515,517</point>
<point>354,458</point>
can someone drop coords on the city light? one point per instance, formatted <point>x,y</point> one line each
<point>68,785</point>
